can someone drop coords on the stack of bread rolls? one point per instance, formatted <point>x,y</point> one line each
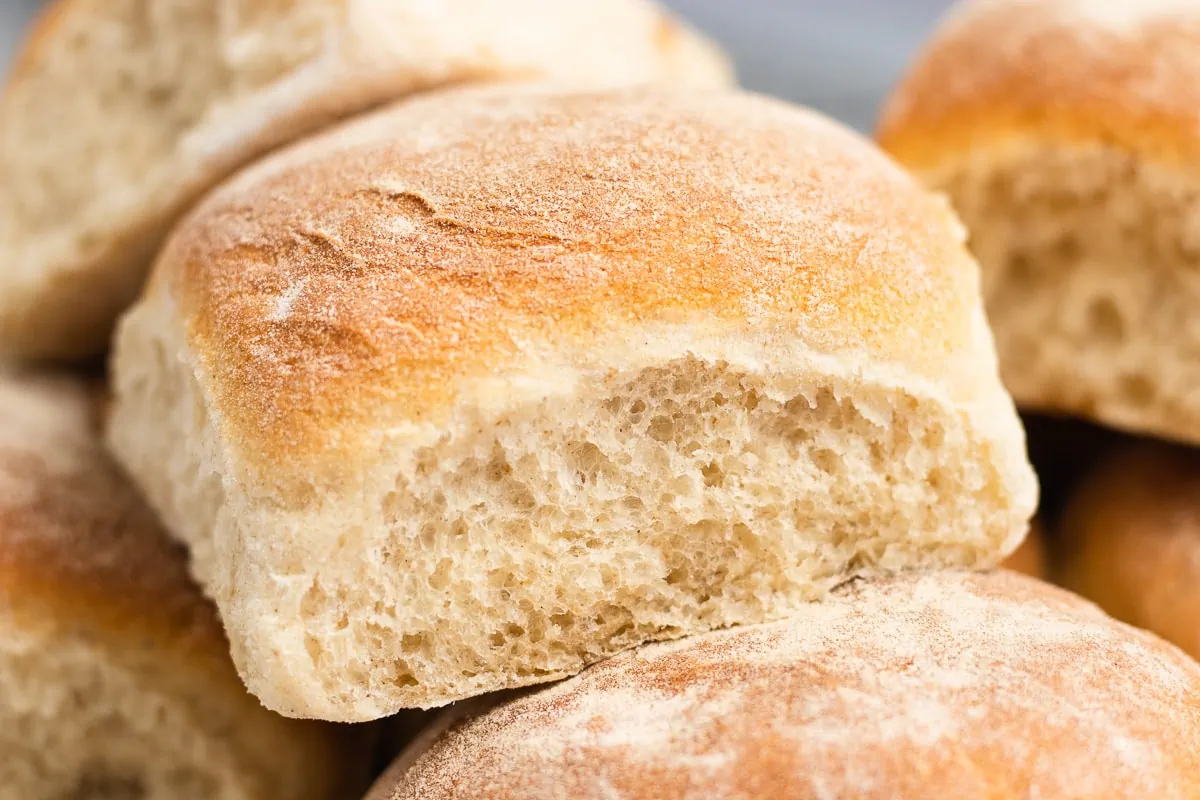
<point>603,375</point>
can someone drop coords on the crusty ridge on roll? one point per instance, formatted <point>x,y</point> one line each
<point>119,114</point>
<point>115,673</point>
<point>944,685</point>
<point>1067,134</point>
<point>519,380</point>
<point>1131,540</point>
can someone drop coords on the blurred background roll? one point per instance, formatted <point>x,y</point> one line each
<point>841,58</point>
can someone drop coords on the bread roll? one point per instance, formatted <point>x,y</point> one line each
<point>1067,134</point>
<point>115,679</point>
<point>518,381</point>
<point>1131,539</point>
<point>943,685</point>
<point>1030,558</point>
<point>120,113</point>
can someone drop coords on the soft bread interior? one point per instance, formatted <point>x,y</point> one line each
<point>537,532</point>
<point>1090,259</point>
<point>76,723</point>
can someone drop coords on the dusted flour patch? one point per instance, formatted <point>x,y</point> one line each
<point>945,685</point>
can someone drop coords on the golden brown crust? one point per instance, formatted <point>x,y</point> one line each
<point>946,685</point>
<point>77,544</point>
<point>1131,537</point>
<point>1069,71</point>
<point>367,273</point>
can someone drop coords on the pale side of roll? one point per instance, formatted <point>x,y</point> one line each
<point>115,678</point>
<point>475,391</point>
<point>939,685</point>
<point>1067,135</point>
<point>119,114</point>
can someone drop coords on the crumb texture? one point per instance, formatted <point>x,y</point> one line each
<point>1091,261</point>
<point>685,498</point>
<point>947,685</point>
<point>76,723</point>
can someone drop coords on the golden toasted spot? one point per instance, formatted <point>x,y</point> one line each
<point>75,536</point>
<point>1071,70</point>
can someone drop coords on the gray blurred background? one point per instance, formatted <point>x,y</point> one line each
<point>840,56</point>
